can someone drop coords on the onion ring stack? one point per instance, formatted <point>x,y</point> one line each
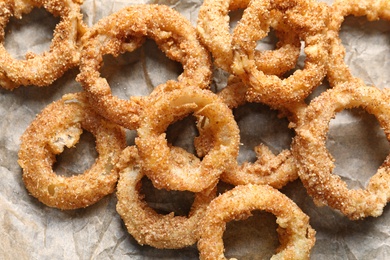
<point>44,69</point>
<point>316,163</point>
<point>124,31</point>
<point>60,124</point>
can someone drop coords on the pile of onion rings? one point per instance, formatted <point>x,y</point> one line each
<point>254,76</point>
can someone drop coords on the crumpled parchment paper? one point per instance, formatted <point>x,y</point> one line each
<point>31,230</point>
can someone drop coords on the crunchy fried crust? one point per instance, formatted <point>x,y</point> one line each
<point>124,31</point>
<point>60,124</point>
<point>295,233</point>
<point>42,70</point>
<point>316,163</point>
<point>142,222</point>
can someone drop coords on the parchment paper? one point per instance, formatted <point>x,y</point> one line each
<point>31,230</point>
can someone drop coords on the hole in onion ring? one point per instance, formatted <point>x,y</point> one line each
<point>269,130</point>
<point>142,69</point>
<point>363,131</point>
<point>36,26</point>
<point>77,159</point>
<point>356,30</point>
<point>164,202</point>
<point>182,133</point>
<point>317,91</point>
<point>257,231</point>
<point>268,42</point>
<point>234,18</point>
<point>300,64</point>
<point>157,63</point>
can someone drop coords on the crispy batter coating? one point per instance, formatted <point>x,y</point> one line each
<point>316,163</point>
<point>142,222</point>
<point>306,18</point>
<point>124,31</point>
<point>42,70</point>
<point>213,29</point>
<point>338,71</point>
<point>295,233</point>
<point>176,169</point>
<point>60,124</point>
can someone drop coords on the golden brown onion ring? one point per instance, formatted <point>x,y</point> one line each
<point>338,71</point>
<point>64,53</point>
<point>122,31</point>
<point>176,169</point>
<point>296,236</point>
<point>316,163</point>
<point>145,224</point>
<point>214,32</point>
<point>306,18</point>
<point>60,124</point>
<point>271,169</point>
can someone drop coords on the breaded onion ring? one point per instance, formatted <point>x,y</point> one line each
<point>176,169</point>
<point>296,236</point>
<point>60,124</point>
<point>213,29</point>
<point>145,224</point>
<point>42,70</point>
<point>306,18</point>
<point>338,71</point>
<point>316,163</point>
<point>271,169</point>
<point>122,31</point>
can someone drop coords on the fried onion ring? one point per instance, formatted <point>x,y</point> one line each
<point>60,124</point>
<point>338,71</point>
<point>295,233</point>
<point>213,29</point>
<point>176,169</point>
<point>42,70</point>
<point>271,169</point>
<point>316,163</point>
<point>113,35</point>
<point>308,19</point>
<point>145,224</point>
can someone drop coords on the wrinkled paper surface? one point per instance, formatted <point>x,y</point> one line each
<point>31,230</point>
